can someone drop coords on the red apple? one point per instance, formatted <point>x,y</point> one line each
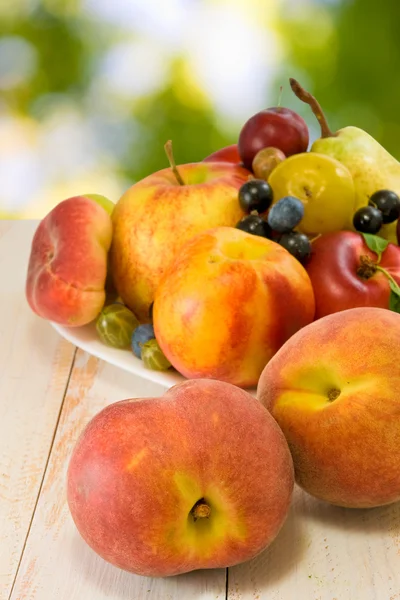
<point>227,154</point>
<point>199,478</point>
<point>345,273</point>
<point>278,127</point>
<point>67,266</point>
<point>157,215</point>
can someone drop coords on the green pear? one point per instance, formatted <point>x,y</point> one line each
<point>372,167</point>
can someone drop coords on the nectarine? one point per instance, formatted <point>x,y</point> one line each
<point>334,390</point>
<point>199,478</point>
<point>227,303</point>
<point>67,266</point>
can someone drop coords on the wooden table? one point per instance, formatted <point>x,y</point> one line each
<point>48,391</point>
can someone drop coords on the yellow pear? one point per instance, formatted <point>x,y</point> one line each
<point>372,167</point>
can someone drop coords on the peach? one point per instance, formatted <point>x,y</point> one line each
<point>227,303</point>
<point>161,486</point>
<point>67,266</point>
<point>106,203</point>
<point>157,215</point>
<point>334,390</point>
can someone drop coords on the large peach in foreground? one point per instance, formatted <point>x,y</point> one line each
<point>227,303</point>
<point>199,478</point>
<point>334,390</point>
<point>67,265</point>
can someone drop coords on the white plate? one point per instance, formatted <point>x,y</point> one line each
<point>86,338</point>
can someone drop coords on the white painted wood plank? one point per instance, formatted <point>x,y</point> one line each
<point>326,553</point>
<point>56,562</point>
<point>34,369</point>
<point>322,552</point>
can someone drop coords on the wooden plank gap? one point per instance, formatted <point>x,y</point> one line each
<point>44,470</point>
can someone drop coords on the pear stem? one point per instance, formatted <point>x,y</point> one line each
<point>171,159</point>
<point>306,97</point>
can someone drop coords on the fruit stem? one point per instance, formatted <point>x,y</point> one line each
<point>367,267</point>
<point>388,275</point>
<point>333,394</point>
<point>313,239</point>
<point>280,96</point>
<point>200,510</point>
<point>171,159</point>
<point>306,97</point>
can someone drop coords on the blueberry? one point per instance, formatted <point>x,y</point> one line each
<point>141,335</point>
<point>285,214</point>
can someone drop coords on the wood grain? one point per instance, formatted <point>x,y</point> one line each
<point>34,368</point>
<point>321,553</point>
<point>56,562</point>
<point>326,553</point>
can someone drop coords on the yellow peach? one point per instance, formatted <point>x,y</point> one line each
<point>227,303</point>
<point>334,390</point>
<point>160,486</point>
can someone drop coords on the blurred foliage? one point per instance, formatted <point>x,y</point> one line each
<point>346,52</point>
<point>61,53</point>
<point>68,48</point>
<point>348,55</point>
<point>179,112</point>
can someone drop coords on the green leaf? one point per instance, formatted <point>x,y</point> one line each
<point>375,243</point>
<point>394,299</point>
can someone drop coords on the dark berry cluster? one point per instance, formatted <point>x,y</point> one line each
<point>383,208</point>
<point>255,196</point>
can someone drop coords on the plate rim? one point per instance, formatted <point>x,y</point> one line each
<point>109,355</point>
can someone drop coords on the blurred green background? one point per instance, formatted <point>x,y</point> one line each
<point>90,90</point>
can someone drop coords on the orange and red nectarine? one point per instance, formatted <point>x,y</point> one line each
<point>334,390</point>
<point>199,478</point>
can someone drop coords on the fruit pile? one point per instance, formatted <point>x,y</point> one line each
<point>177,270</point>
<point>267,264</point>
<point>203,476</point>
<point>256,196</point>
